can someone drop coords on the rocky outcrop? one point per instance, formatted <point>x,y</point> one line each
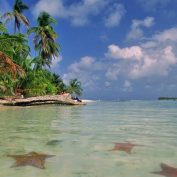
<point>64,99</point>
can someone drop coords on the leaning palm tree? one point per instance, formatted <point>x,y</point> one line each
<point>17,14</point>
<point>75,87</point>
<point>44,40</point>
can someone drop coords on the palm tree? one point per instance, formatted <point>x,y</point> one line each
<point>15,47</point>
<point>17,14</point>
<point>44,40</point>
<point>57,80</point>
<point>75,87</point>
<point>11,47</point>
<point>13,50</point>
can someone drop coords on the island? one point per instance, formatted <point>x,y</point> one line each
<point>167,98</point>
<point>26,77</point>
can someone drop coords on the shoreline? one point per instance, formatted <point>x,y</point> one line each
<point>88,101</point>
<point>64,99</point>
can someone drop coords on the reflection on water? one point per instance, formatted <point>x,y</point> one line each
<point>82,137</point>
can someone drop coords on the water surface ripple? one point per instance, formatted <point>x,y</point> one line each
<point>81,138</point>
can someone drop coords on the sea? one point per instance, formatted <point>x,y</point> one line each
<point>81,138</point>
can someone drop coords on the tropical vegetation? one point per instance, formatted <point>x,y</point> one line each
<point>21,73</point>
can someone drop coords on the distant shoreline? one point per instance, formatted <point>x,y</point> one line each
<point>167,98</point>
<point>88,101</point>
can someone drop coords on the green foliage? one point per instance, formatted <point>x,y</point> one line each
<point>44,40</point>
<point>75,87</point>
<point>2,28</point>
<point>17,15</point>
<point>61,87</point>
<point>36,83</point>
<point>15,46</point>
<point>19,6</point>
<point>15,58</point>
<point>45,19</point>
<point>7,85</point>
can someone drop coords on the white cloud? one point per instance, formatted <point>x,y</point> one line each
<point>151,5</point>
<point>85,63</point>
<point>56,61</point>
<point>53,7</point>
<point>136,31</point>
<point>116,12</point>
<point>167,35</point>
<point>127,86</point>
<point>78,13</point>
<point>113,72</point>
<point>85,70</point>
<point>134,52</point>
<point>155,57</point>
<point>151,60</point>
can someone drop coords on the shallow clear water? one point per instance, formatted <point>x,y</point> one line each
<point>81,137</point>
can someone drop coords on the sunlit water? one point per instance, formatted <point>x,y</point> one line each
<point>81,137</point>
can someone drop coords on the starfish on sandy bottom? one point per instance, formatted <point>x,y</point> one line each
<point>31,159</point>
<point>167,171</point>
<point>126,147</point>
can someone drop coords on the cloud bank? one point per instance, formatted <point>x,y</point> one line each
<point>80,13</point>
<point>136,31</point>
<point>153,58</point>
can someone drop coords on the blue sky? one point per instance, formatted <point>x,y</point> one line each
<point>118,49</point>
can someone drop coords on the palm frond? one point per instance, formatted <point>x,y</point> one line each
<point>7,65</point>
<point>7,16</point>
<point>23,19</point>
<point>2,28</point>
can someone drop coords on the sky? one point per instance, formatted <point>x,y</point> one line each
<point>118,49</point>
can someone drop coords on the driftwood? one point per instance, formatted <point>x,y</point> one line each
<point>64,99</point>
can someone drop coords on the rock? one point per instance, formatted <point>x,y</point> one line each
<point>64,99</point>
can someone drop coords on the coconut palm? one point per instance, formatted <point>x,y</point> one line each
<point>17,15</point>
<point>75,87</point>
<point>57,80</point>
<point>44,40</point>
<point>14,46</point>
<point>13,50</point>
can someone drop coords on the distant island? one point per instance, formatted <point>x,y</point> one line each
<point>167,98</point>
<point>25,75</point>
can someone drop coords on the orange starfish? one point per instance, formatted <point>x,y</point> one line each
<point>167,171</point>
<point>126,147</point>
<point>32,159</point>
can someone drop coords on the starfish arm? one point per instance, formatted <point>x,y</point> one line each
<point>167,167</point>
<point>159,173</point>
<point>38,164</point>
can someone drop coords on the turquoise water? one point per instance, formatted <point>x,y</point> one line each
<point>81,137</point>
